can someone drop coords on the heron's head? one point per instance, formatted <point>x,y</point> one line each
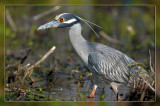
<point>66,20</point>
<point>62,20</point>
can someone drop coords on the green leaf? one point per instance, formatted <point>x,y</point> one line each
<point>40,89</point>
<point>131,63</point>
<point>136,64</point>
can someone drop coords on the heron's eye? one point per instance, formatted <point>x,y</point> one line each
<point>61,19</point>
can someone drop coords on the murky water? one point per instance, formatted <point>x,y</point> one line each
<point>68,86</point>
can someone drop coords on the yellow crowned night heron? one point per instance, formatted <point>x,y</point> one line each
<point>106,64</point>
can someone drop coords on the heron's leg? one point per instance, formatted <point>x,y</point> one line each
<point>114,87</point>
<point>91,95</point>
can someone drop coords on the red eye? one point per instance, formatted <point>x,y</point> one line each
<point>62,19</point>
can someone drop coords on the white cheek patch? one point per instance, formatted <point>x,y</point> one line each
<point>70,21</point>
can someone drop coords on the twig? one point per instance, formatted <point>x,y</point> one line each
<point>19,97</point>
<point>10,20</point>
<point>143,93</point>
<point>25,67</point>
<point>149,86</point>
<point>151,68</point>
<point>38,62</point>
<point>152,83</point>
<point>46,13</point>
<point>150,62</point>
<point>107,37</point>
<point>20,70</point>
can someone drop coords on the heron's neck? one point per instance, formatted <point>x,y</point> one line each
<point>75,35</point>
<point>78,42</point>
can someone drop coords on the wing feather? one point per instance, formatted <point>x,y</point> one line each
<point>107,66</point>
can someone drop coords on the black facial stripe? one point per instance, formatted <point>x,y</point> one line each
<point>68,17</point>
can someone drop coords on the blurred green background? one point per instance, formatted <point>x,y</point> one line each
<point>109,29</point>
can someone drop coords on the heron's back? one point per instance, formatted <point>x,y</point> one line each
<point>110,64</point>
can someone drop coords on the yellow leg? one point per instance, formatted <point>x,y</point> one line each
<point>91,95</point>
<point>118,98</point>
<point>114,87</point>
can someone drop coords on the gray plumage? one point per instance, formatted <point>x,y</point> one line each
<point>106,64</point>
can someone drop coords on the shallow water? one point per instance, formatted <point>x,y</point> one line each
<point>76,89</point>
